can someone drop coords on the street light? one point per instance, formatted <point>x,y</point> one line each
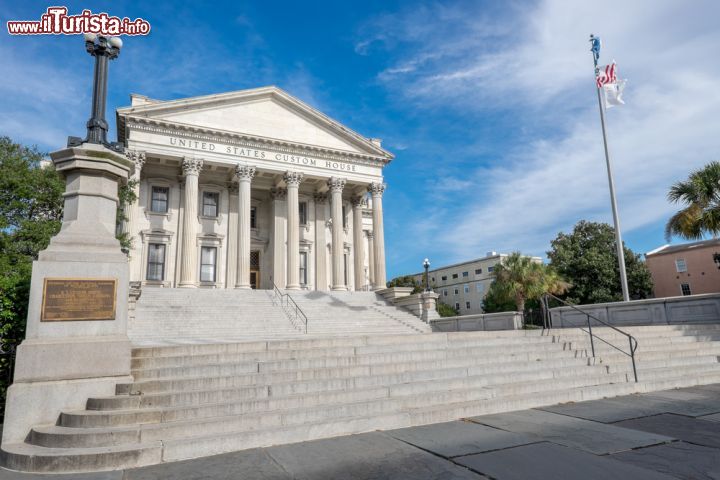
<point>103,49</point>
<point>426,264</point>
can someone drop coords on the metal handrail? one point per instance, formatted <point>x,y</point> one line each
<point>299,314</point>
<point>632,341</point>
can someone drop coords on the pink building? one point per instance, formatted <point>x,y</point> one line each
<point>686,269</point>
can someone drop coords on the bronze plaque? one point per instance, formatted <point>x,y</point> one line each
<point>72,299</point>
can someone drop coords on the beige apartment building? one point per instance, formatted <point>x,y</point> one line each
<point>686,269</point>
<point>464,285</point>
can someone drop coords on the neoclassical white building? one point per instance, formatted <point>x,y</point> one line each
<point>252,188</point>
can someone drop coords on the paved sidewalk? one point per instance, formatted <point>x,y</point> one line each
<point>662,435</point>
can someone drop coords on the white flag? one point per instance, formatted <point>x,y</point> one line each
<point>613,93</point>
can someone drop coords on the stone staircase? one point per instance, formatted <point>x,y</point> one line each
<point>176,315</point>
<point>355,313</point>
<point>195,400</point>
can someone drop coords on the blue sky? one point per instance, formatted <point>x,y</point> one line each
<point>489,107</point>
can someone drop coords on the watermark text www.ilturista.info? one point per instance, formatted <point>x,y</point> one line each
<point>56,21</point>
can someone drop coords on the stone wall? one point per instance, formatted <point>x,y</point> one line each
<point>656,311</point>
<point>477,322</point>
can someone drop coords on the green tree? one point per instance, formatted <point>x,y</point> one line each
<point>587,258</point>
<point>519,278</point>
<point>496,301</point>
<point>406,281</point>
<point>445,310</point>
<point>30,213</point>
<point>700,197</point>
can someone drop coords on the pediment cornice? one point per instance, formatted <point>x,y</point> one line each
<point>156,109</point>
<point>177,129</point>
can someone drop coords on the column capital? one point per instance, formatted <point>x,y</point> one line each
<point>233,188</point>
<point>336,184</point>
<point>369,234</point>
<point>293,179</point>
<point>244,173</point>
<point>278,193</point>
<point>358,201</point>
<point>320,198</point>
<point>137,157</point>
<point>376,189</point>
<point>191,166</point>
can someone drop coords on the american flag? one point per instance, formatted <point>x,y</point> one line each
<point>606,75</point>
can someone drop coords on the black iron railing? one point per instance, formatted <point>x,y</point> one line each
<point>632,341</point>
<point>297,316</point>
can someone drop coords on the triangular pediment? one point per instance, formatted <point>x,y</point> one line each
<point>267,112</point>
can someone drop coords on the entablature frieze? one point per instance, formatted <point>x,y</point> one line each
<point>253,142</point>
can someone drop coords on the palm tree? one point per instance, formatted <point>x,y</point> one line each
<point>700,195</point>
<point>521,278</point>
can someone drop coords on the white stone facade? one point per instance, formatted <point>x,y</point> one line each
<point>249,189</point>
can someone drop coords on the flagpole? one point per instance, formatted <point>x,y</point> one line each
<point>611,183</point>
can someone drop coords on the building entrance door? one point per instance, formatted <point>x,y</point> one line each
<point>255,269</point>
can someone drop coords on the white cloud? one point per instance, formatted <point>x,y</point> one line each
<point>538,68</point>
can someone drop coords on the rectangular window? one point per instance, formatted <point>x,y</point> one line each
<point>210,204</point>
<point>303,268</point>
<point>344,215</point>
<point>457,306</point>
<point>478,271</point>
<point>445,293</point>
<point>444,278</point>
<point>457,291</point>
<point>466,287</point>
<point>490,269</point>
<point>680,265</point>
<point>685,288</point>
<point>253,217</point>
<point>465,274</point>
<point>480,288</point>
<point>156,262</point>
<point>303,210</point>
<point>467,305</point>
<point>455,275</point>
<point>159,199</point>
<point>208,256</point>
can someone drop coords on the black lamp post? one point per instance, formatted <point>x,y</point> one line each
<point>103,49</point>
<point>426,264</point>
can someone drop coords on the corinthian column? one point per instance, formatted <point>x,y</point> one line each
<point>292,180</point>
<point>279,229</point>
<point>321,282</point>
<point>188,265</point>
<point>129,226</point>
<point>338,267</point>
<point>376,190</point>
<point>371,258</point>
<point>244,175</point>
<point>358,250</point>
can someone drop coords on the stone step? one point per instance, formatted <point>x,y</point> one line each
<point>34,458</point>
<point>353,376</point>
<point>215,444</point>
<point>268,355</point>
<point>461,378</point>
<point>392,341</point>
<point>380,353</point>
<point>390,363</point>
<point>184,422</point>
